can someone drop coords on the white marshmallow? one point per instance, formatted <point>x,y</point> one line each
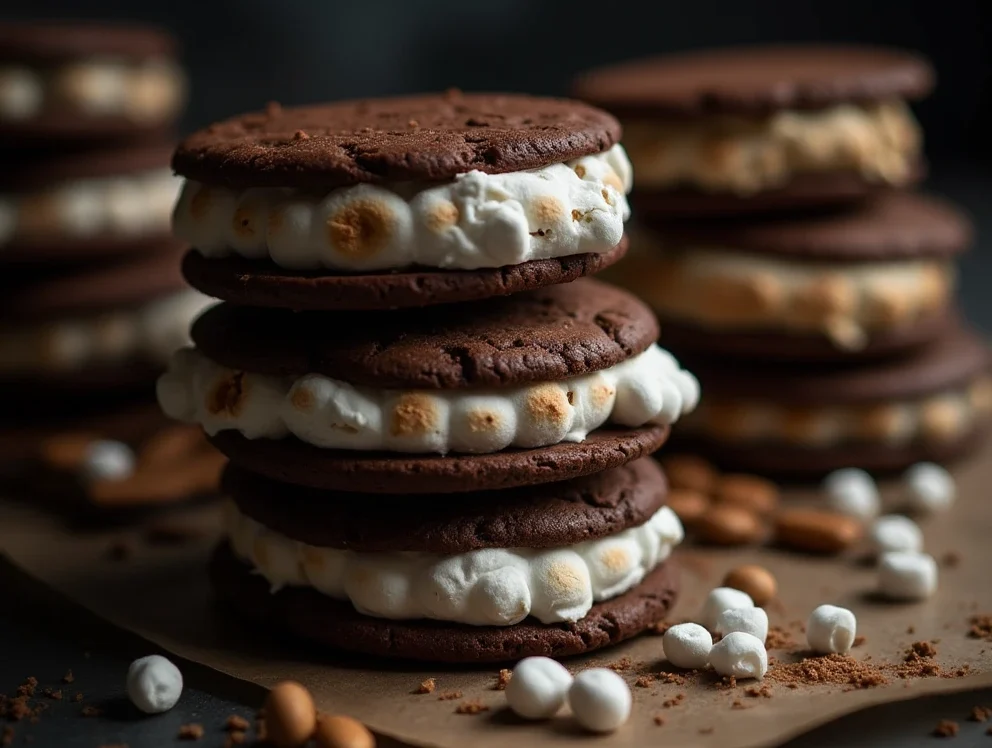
<point>894,532</point>
<point>600,700</point>
<point>485,587</point>
<point>752,621</point>
<point>905,575</point>
<point>21,93</point>
<point>687,645</point>
<point>741,655</point>
<point>852,491</point>
<point>107,459</point>
<point>719,600</point>
<point>154,684</point>
<point>538,688</point>
<point>475,220</point>
<point>831,630</point>
<point>931,487</point>
<point>648,388</point>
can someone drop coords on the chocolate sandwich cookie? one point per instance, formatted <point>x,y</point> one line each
<point>404,202</point>
<point>102,326</point>
<point>71,82</point>
<point>857,284</point>
<point>931,404</point>
<point>437,399</point>
<point>489,576</point>
<point>71,205</point>
<point>761,129</point>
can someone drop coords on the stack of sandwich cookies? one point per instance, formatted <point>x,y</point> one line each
<point>458,480</point>
<point>763,129</point>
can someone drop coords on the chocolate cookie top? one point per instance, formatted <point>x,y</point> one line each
<point>950,361</point>
<point>896,225</point>
<point>26,169</point>
<point>416,138</point>
<point>544,335</point>
<point>548,516</point>
<point>43,42</point>
<point>756,80</point>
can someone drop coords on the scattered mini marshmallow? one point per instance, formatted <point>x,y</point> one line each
<point>106,459</point>
<point>600,700</point>
<point>538,688</point>
<point>687,645</point>
<point>852,491</point>
<point>831,630</point>
<point>741,655</point>
<point>154,684</point>
<point>931,487</point>
<point>753,621</point>
<point>719,600</point>
<point>894,532</point>
<point>907,575</point>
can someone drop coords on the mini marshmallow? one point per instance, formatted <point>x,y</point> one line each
<point>719,600</point>
<point>905,575</point>
<point>741,655</point>
<point>538,688</point>
<point>752,621</point>
<point>852,491</point>
<point>154,684</point>
<point>831,630</point>
<point>688,645</point>
<point>894,532</point>
<point>600,700</point>
<point>106,459</point>
<point>931,487</point>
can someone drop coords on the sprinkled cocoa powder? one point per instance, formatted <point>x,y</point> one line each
<point>502,679</point>
<point>830,669</point>
<point>918,661</point>
<point>779,638</point>
<point>981,626</point>
<point>920,649</point>
<point>946,729</point>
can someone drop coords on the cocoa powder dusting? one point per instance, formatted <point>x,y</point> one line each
<point>779,638</point>
<point>981,626</point>
<point>830,669</point>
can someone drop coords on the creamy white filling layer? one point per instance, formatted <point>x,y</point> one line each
<point>648,388</point>
<point>488,587</point>
<point>476,220</point>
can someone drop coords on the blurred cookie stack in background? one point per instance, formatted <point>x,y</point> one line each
<point>792,269</point>
<point>92,300</point>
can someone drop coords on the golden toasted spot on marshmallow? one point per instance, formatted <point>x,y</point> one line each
<point>244,223</point>
<point>803,425</point>
<point>739,300</point>
<point>199,206</point>
<point>601,394</point>
<point>888,305</point>
<point>881,423</point>
<point>826,298</point>
<point>612,179</point>
<point>483,420</point>
<point>38,216</point>
<point>302,399</point>
<point>441,216</point>
<point>548,209</point>
<point>546,403</point>
<point>936,287</point>
<point>260,552</point>
<point>312,558</point>
<point>228,395</point>
<point>275,220</point>
<point>616,559</point>
<point>563,578</point>
<point>362,227</point>
<point>980,394</point>
<point>580,171</point>
<point>414,415</point>
<point>942,418</point>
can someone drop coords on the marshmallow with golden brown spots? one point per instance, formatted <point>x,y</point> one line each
<point>325,412</point>
<point>475,221</point>
<point>488,587</point>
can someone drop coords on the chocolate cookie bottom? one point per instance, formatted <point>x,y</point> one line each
<point>309,614</point>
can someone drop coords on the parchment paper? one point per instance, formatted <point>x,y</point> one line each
<point>162,594</point>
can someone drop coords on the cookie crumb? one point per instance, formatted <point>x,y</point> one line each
<point>951,559</point>
<point>450,696</point>
<point>68,677</point>
<point>7,737</point>
<point>28,687</point>
<point>426,686</point>
<point>644,681</point>
<point>502,679</point>
<point>471,707</point>
<point>659,720</point>
<point>755,692</point>
<point>980,713</point>
<point>660,628</point>
<point>300,135</point>
<point>705,730</point>
<point>52,693</point>
<point>78,697</point>
<point>911,629</point>
<point>192,731</point>
<point>919,649</point>
<point>413,123</point>
<point>859,640</point>
<point>674,701</point>
<point>946,729</point>
<point>981,626</point>
<point>90,711</point>
<point>236,723</point>
<point>737,704</point>
<point>621,665</point>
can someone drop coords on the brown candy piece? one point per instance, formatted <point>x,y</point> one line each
<point>726,524</point>
<point>290,716</point>
<point>756,494</point>
<point>755,580</point>
<point>691,472</point>
<point>688,504</point>
<point>816,531</point>
<point>342,732</point>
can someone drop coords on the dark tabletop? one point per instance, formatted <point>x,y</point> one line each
<point>43,636</point>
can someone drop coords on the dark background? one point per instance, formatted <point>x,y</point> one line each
<point>242,53</point>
